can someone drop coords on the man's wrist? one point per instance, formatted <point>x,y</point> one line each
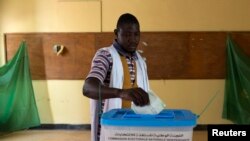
<point>119,93</point>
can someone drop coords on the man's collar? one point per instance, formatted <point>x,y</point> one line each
<point>122,51</point>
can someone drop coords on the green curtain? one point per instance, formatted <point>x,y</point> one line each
<point>18,108</point>
<point>237,85</point>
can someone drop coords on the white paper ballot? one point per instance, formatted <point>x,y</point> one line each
<point>156,105</point>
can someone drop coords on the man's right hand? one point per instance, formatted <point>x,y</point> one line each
<point>137,95</point>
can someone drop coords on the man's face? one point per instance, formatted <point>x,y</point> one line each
<point>128,36</point>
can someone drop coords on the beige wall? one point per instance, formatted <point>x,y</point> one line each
<point>62,102</point>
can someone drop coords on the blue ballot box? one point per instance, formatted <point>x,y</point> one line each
<point>168,125</point>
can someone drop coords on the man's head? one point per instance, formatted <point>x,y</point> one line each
<point>127,32</point>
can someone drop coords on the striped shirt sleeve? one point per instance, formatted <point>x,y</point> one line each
<point>100,65</point>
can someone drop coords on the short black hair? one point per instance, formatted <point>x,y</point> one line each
<point>127,18</point>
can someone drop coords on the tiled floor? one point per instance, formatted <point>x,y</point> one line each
<point>67,135</point>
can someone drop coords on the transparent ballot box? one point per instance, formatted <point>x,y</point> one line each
<point>168,125</point>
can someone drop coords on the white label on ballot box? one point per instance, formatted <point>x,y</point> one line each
<point>123,135</point>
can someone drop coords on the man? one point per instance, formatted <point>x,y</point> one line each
<point>118,74</point>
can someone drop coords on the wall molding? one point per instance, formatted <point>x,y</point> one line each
<point>199,127</point>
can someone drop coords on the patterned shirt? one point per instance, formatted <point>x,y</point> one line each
<point>102,64</point>
<point>101,69</point>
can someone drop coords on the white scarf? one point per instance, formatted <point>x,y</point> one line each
<point>117,77</point>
